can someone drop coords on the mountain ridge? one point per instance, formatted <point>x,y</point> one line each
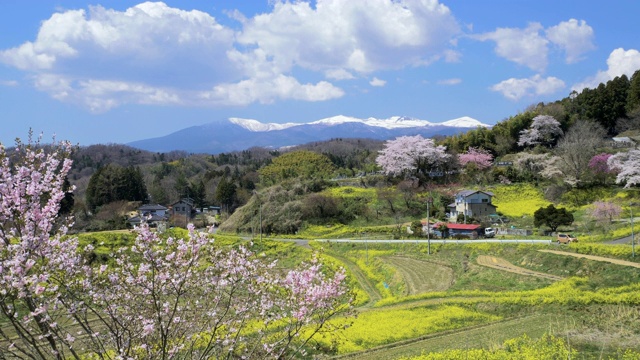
<point>235,134</point>
<point>389,123</point>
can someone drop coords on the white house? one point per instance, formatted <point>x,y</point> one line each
<point>472,203</point>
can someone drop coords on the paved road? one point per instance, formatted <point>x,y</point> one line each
<point>624,240</point>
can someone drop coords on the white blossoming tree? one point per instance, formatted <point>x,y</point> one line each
<point>628,166</point>
<point>544,130</point>
<point>411,155</point>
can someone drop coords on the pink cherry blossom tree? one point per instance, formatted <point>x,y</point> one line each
<point>474,162</point>
<point>600,168</point>
<point>604,211</point>
<point>628,166</point>
<point>162,297</point>
<point>544,130</point>
<point>173,297</point>
<point>479,157</point>
<point>35,258</point>
<point>411,155</point>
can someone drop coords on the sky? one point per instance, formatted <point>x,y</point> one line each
<point>107,72</point>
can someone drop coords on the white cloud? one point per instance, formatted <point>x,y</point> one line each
<point>10,83</point>
<point>574,36</point>
<point>339,74</point>
<point>452,56</point>
<point>268,90</point>
<point>152,53</point>
<point>620,62</point>
<point>377,82</point>
<point>522,46</point>
<point>454,81</point>
<point>530,46</point>
<point>357,36</point>
<point>144,55</point>
<point>515,89</point>
<point>102,95</point>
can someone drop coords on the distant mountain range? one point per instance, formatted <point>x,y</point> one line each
<point>237,134</point>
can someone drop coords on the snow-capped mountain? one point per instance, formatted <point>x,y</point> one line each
<point>394,122</point>
<point>255,125</point>
<point>240,134</point>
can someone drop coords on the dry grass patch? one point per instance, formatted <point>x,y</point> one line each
<point>421,276</point>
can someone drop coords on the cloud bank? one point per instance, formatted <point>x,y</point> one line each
<point>152,53</point>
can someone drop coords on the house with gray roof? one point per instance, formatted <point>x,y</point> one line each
<point>472,203</point>
<point>151,213</point>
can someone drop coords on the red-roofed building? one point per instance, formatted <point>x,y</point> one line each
<point>472,231</point>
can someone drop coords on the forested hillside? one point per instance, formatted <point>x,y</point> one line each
<point>559,147</point>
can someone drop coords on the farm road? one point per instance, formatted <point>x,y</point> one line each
<point>596,258</point>
<point>502,264</point>
<point>374,295</point>
<point>624,240</point>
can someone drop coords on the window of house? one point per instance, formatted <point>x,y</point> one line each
<point>485,200</point>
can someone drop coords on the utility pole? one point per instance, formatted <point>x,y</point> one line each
<point>429,201</point>
<point>260,219</point>
<point>259,213</point>
<point>633,240</point>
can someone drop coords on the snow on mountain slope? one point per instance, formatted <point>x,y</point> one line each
<point>394,122</point>
<point>257,126</point>
<point>464,121</point>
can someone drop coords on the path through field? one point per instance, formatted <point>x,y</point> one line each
<point>502,264</point>
<point>421,276</point>
<point>374,295</point>
<point>596,258</point>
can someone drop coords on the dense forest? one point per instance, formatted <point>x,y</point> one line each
<point>548,143</point>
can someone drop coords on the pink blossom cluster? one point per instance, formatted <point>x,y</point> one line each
<point>604,211</point>
<point>481,158</point>
<point>598,164</point>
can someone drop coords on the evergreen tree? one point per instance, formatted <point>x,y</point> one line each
<point>199,194</point>
<point>633,94</point>
<point>552,217</point>
<point>114,183</point>
<point>226,193</point>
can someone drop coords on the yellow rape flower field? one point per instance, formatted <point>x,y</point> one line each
<point>593,312</point>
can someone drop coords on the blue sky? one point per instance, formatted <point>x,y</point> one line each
<point>118,71</point>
